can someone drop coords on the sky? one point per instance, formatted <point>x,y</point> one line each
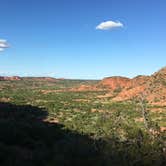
<point>82,39</point>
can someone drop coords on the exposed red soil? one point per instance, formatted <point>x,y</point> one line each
<point>114,82</point>
<point>153,87</point>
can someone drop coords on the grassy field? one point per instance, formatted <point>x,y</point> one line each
<point>46,123</point>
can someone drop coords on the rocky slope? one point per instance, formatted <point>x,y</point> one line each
<point>152,87</point>
<point>115,82</point>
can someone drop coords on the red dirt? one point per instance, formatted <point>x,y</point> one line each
<point>121,88</point>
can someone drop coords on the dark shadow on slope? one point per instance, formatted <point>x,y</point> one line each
<point>26,140</point>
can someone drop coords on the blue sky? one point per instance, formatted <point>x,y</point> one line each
<point>59,37</point>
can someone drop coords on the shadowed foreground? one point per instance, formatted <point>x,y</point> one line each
<point>26,140</point>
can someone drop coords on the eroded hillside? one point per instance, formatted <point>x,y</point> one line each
<point>152,88</point>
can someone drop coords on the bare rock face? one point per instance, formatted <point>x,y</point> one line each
<point>157,86</point>
<point>136,86</point>
<point>113,83</point>
<point>153,87</point>
<point>161,72</point>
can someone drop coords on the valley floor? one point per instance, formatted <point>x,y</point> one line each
<point>48,123</point>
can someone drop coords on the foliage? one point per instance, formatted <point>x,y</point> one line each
<point>47,124</point>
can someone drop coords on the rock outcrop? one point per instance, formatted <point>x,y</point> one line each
<point>113,83</point>
<point>152,87</point>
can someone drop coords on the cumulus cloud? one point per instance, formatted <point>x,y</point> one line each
<point>3,44</point>
<point>108,25</point>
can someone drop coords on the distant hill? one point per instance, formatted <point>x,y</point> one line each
<point>16,78</point>
<point>39,79</point>
<point>5,78</point>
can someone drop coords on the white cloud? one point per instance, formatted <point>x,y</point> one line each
<point>3,44</point>
<point>108,25</point>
